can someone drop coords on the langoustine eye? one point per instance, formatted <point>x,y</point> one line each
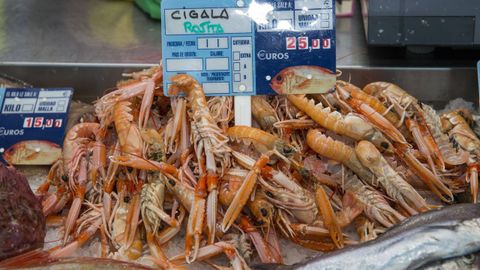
<point>264,212</point>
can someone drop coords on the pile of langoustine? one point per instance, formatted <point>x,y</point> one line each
<point>152,166</point>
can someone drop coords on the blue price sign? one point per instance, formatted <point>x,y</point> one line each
<point>241,47</point>
<point>32,124</point>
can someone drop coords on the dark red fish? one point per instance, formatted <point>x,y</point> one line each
<point>22,224</point>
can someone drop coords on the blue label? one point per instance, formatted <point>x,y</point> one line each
<point>478,75</point>
<point>241,47</point>
<point>32,124</point>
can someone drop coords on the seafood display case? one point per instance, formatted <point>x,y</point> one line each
<point>88,44</point>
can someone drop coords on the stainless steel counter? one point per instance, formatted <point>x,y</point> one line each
<point>71,32</point>
<point>87,45</point>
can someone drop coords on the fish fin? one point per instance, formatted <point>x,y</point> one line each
<point>316,85</point>
<point>306,84</point>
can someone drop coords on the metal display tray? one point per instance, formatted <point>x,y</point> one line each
<point>434,86</point>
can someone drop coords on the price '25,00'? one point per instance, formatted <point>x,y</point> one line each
<point>302,43</point>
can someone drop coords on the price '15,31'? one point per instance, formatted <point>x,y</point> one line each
<point>302,43</point>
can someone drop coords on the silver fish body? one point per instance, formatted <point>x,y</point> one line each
<point>468,262</point>
<point>429,237</point>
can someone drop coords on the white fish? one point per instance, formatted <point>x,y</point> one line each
<point>32,152</point>
<point>303,80</point>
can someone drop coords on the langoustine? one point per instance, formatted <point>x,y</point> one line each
<point>184,163</point>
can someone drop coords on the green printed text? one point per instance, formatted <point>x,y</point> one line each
<point>202,28</point>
